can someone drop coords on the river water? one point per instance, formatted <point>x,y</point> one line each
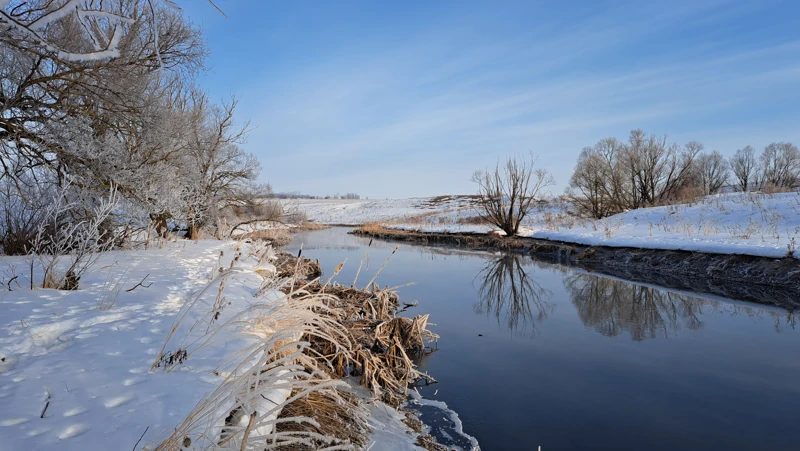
<point>534,354</point>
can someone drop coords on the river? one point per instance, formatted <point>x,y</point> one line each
<point>534,354</point>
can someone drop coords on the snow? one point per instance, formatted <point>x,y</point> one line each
<point>75,369</point>
<point>765,225</point>
<point>359,211</point>
<point>93,364</point>
<point>389,433</point>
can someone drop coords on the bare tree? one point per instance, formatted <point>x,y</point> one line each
<point>780,165</point>
<point>596,186</point>
<point>614,176</point>
<point>744,166</point>
<point>712,172</point>
<point>657,171</point>
<point>506,194</point>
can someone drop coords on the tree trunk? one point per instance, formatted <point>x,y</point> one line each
<point>193,232</point>
<point>160,224</point>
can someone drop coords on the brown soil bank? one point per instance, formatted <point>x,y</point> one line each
<point>756,279</point>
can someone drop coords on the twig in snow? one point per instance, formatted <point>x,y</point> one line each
<point>140,284</point>
<point>11,280</point>
<point>46,405</point>
<point>140,438</point>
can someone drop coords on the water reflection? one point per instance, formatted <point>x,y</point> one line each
<point>612,307</point>
<point>510,293</point>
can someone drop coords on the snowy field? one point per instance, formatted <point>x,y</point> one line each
<point>766,225</point>
<point>75,366</point>
<point>359,211</point>
<point>441,213</point>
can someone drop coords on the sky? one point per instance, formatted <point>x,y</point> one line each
<point>405,99</point>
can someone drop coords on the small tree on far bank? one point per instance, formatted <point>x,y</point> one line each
<point>507,193</point>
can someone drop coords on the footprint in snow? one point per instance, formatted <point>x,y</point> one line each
<point>37,432</point>
<point>73,431</point>
<point>118,401</point>
<point>133,381</point>
<point>14,421</point>
<point>74,412</point>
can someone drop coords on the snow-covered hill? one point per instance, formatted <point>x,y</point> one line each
<point>766,225</point>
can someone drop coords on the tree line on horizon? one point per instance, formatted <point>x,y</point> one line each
<point>615,176</point>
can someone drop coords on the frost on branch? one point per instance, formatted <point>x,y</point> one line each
<point>31,23</point>
<point>71,237</point>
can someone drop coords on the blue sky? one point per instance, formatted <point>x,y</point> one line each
<point>401,99</point>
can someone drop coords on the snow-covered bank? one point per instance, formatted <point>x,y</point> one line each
<point>763,225</point>
<point>76,367</point>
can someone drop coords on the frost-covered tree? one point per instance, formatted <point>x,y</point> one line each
<point>41,88</point>
<point>218,172</point>
<point>100,95</point>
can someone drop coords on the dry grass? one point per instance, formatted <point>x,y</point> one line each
<point>337,413</point>
<point>384,346</point>
<point>306,341</point>
<point>290,267</point>
<point>372,227</point>
<point>307,226</point>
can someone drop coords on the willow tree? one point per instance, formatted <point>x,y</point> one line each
<point>507,193</point>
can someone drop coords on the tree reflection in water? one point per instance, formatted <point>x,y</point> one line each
<point>612,307</point>
<point>508,291</point>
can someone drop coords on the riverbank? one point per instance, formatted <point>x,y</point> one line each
<point>205,330</point>
<point>750,278</point>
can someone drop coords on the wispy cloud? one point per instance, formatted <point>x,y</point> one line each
<point>417,115</point>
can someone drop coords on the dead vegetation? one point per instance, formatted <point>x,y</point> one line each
<point>337,414</point>
<point>285,390</point>
<point>383,346</point>
<point>307,226</point>
<point>291,267</point>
